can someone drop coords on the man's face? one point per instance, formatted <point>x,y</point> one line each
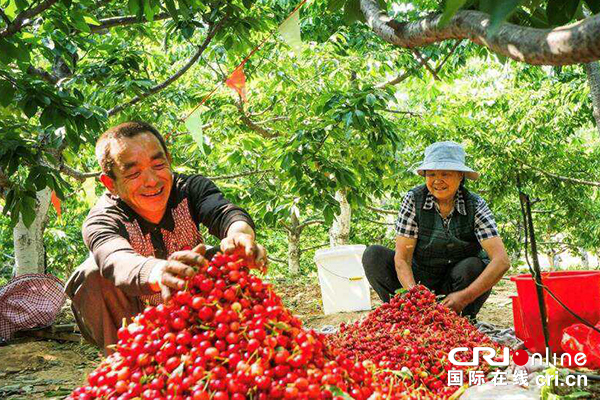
<point>443,184</point>
<point>143,177</point>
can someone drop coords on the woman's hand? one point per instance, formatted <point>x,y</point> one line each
<point>456,301</point>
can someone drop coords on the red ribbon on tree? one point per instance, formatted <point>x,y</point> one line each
<point>56,203</point>
<point>237,81</point>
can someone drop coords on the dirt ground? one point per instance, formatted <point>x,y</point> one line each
<point>49,369</point>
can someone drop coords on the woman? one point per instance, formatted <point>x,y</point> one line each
<point>446,238</point>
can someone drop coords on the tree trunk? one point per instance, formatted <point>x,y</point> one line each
<point>593,74</point>
<point>585,258</point>
<point>339,233</point>
<point>294,245</point>
<point>30,255</point>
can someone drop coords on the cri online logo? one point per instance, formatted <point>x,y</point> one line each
<point>519,357</point>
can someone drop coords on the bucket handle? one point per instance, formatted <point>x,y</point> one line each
<point>352,278</point>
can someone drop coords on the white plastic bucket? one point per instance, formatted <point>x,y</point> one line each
<point>344,286</point>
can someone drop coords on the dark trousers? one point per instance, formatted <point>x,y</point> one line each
<point>378,262</point>
<point>100,307</point>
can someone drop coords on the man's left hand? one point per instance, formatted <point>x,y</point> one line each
<point>456,301</point>
<point>250,248</point>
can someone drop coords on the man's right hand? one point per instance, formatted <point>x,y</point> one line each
<point>171,273</point>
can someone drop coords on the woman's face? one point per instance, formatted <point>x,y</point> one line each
<point>443,184</point>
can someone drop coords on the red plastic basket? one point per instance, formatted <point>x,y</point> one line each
<point>520,330</point>
<point>578,290</point>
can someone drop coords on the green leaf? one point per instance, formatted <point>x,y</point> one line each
<point>78,21</point>
<point>348,118</point>
<point>172,9</point>
<point>134,6</point>
<point>8,93</point>
<point>148,10</point>
<point>594,5</point>
<point>401,291</point>
<point>371,99</point>
<point>560,12</point>
<point>352,12</point>
<point>30,107</point>
<point>499,10</point>
<point>194,125</point>
<point>90,20</point>
<point>578,395</point>
<point>337,392</point>
<point>335,5</point>
<point>452,6</point>
<point>8,51</point>
<point>28,210</point>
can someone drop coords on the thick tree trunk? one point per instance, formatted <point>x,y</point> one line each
<point>30,255</point>
<point>339,233</point>
<point>571,44</point>
<point>593,74</point>
<point>294,245</point>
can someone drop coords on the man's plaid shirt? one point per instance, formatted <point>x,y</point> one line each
<point>406,223</point>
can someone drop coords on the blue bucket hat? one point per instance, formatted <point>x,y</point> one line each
<point>448,156</point>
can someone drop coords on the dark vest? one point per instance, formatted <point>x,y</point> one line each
<point>438,247</point>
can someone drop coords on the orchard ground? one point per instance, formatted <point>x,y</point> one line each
<point>51,370</point>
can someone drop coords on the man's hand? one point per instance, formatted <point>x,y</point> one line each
<point>250,249</point>
<point>456,301</point>
<point>171,273</point>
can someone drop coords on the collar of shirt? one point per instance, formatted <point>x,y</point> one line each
<point>459,202</point>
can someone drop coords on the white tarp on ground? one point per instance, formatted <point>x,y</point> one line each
<point>489,391</point>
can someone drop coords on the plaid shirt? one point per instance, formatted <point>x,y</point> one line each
<point>406,223</point>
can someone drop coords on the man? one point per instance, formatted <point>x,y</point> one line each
<point>143,234</point>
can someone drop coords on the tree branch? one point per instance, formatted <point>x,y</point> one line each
<point>274,119</point>
<point>559,177</point>
<point>311,222</point>
<point>382,211</point>
<point>5,183</point>
<point>277,260</point>
<point>379,222</point>
<point>176,134</point>
<point>45,75</point>
<point>414,114</point>
<point>65,169</point>
<point>275,101</point>
<point>248,173</point>
<point>264,132</point>
<point>425,63</point>
<point>314,247</point>
<point>395,81</point>
<point>4,17</point>
<point>286,226</point>
<point>108,23</point>
<point>24,16</point>
<point>173,77</point>
<point>80,176</point>
<point>447,57</point>
<point>570,44</point>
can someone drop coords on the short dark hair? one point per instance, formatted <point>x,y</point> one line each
<point>127,130</point>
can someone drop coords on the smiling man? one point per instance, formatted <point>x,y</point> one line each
<point>446,238</point>
<point>143,233</point>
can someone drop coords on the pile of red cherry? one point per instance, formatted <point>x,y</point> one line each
<point>228,336</point>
